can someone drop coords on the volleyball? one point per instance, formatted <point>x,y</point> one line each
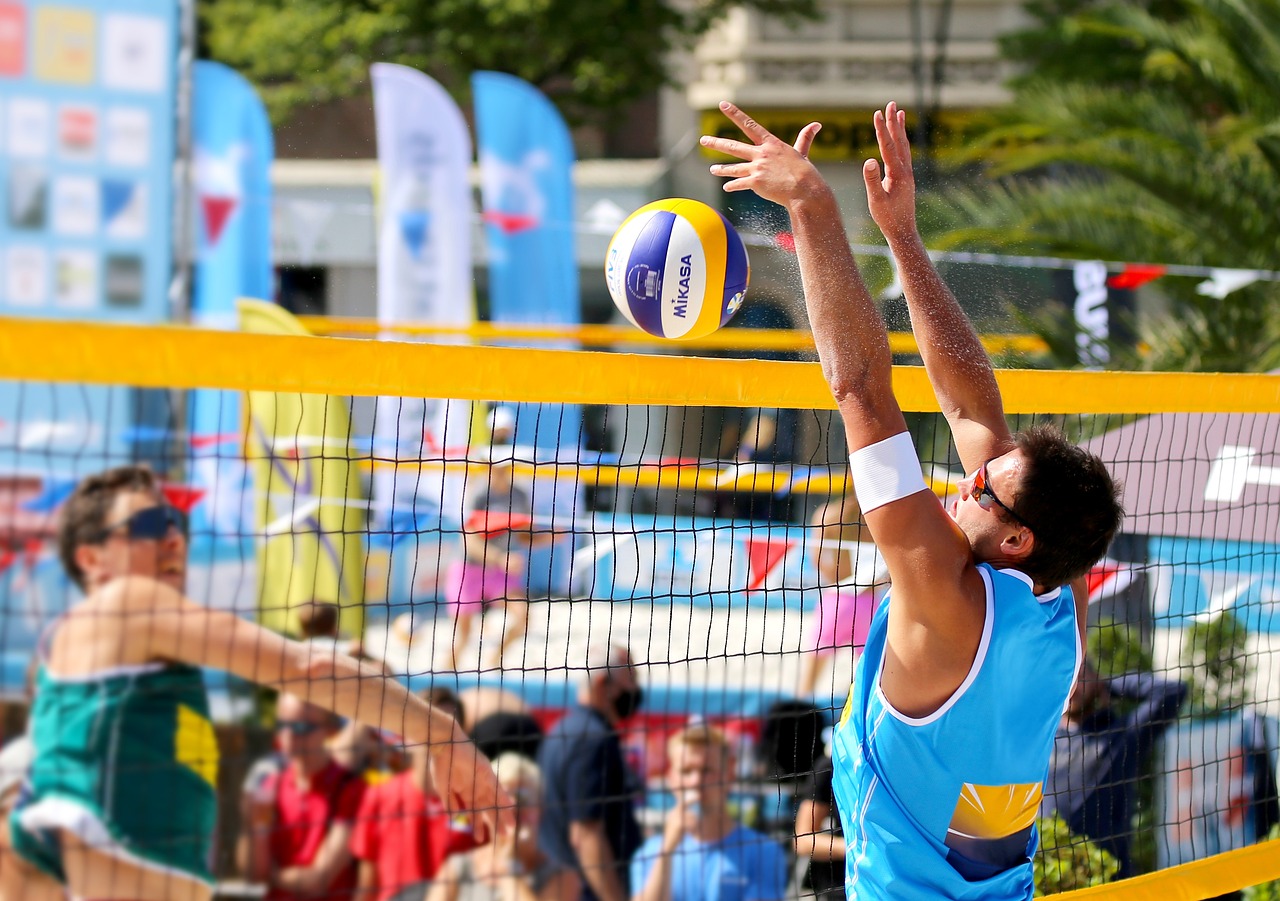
<point>677,269</point>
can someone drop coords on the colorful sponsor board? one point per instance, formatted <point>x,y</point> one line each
<point>87,100</point>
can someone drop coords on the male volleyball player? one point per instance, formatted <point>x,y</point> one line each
<point>944,743</point>
<point>120,803</point>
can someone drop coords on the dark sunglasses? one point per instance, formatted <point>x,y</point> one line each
<point>151,524</point>
<point>986,498</point>
<point>298,728</point>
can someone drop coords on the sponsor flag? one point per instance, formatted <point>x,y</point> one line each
<point>310,507</point>
<point>763,557</point>
<point>526,180</point>
<point>424,270</point>
<point>232,149</point>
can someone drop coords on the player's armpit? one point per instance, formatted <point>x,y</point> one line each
<point>937,609</point>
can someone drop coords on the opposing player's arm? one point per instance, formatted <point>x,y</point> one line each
<point>936,587</point>
<point>955,360</point>
<point>165,625</point>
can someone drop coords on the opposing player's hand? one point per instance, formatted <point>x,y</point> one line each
<point>466,782</point>
<point>891,193</point>
<point>771,167</point>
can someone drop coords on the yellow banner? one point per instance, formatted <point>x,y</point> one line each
<point>309,503</point>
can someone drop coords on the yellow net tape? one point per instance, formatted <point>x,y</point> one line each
<point>1195,881</point>
<point>793,340</point>
<point>181,357</point>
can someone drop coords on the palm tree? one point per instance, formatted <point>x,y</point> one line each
<point>1173,156</point>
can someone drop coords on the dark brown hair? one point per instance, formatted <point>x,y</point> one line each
<point>84,516</point>
<point>1070,503</point>
<point>443,698</point>
<point>318,619</point>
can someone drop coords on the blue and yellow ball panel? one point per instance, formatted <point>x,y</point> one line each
<point>677,269</point>
<point>737,275</point>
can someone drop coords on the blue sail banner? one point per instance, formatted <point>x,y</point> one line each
<point>526,178</point>
<point>232,152</point>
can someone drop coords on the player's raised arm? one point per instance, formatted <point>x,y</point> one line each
<point>850,336</point>
<point>936,619</point>
<point>954,358</point>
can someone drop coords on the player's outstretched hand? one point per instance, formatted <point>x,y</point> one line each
<point>771,167</point>
<point>465,780</point>
<point>891,194</point>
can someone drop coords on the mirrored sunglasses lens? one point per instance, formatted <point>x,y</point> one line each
<point>154,522</point>
<point>150,524</point>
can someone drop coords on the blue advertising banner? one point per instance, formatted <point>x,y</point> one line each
<point>526,178</point>
<point>232,149</point>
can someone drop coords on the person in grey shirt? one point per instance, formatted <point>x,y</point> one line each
<point>1107,733</point>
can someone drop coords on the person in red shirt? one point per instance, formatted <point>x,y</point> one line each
<point>403,833</point>
<point>299,817</point>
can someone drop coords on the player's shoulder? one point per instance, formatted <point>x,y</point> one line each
<point>131,594</point>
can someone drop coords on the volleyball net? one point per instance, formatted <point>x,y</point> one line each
<point>491,520</point>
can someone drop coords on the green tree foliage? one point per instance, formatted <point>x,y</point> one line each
<point>1143,131</point>
<point>1216,661</point>
<point>1117,648</point>
<point>591,57</point>
<point>1066,862</point>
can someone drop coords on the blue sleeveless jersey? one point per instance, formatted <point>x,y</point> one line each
<point>944,806</point>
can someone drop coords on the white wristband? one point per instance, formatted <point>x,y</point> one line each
<point>886,471</point>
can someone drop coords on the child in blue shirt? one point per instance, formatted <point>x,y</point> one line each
<point>702,854</point>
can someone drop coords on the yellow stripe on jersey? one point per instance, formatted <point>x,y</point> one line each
<point>195,745</point>
<point>848,709</point>
<point>994,811</point>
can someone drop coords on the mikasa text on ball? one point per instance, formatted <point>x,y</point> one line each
<point>677,269</point>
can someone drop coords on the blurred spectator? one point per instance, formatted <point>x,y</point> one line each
<point>820,835</point>
<point>588,816</point>
<point>843,615</point>
<point>766,440</point>
<point>502,426</point>
<point>403,832</point>
<point>318,620</point>
<point>702,853</point>
<point>297,819</point>
<point>482,700</point>
<point>512,868</point>
<point>495,540</point>
<point>355,747</point>
<point>508,733</point>
<point>1106,735</point>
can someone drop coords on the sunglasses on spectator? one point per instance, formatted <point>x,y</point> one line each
<point>151,524</point>
<point>987,499</point>
<point>299,728</point>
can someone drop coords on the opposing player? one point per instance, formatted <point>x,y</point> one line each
<point>120,803</point>
<point>944,742</point>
